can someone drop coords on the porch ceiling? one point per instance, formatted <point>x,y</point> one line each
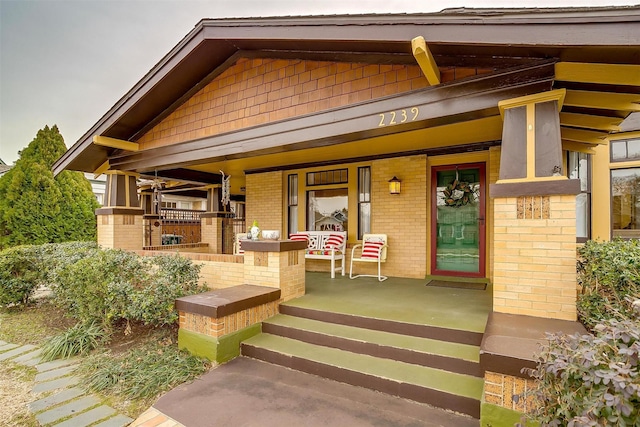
<point>495,38</point>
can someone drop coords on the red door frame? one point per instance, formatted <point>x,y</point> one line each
<point>482,223</point>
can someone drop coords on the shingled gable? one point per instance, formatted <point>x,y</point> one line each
<point>489,38</point>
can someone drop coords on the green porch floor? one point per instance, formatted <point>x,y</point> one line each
<point>398,299</point>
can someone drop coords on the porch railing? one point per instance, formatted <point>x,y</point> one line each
<point>180,226</point>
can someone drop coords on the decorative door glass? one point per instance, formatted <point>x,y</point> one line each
<point>458,221</point>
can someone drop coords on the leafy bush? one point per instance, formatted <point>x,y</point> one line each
<point>609,275</point>
<point>80,339</point>
<point>587,380</point>
<point>112,285</point>
<point>142,373</point>
<point>25,268</point>
<point>20,275</point>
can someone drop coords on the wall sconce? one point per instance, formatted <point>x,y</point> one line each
<point>394,186</point>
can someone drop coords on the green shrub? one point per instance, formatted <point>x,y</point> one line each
<point>112,285</point>
<point>587,380</point>
<point>609,276</point>
<point>20,274</point>
<point>80,339</point>
<point>23,269</point>
<point>82,288</point>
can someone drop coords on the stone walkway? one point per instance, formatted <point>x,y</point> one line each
<point>60,402</point>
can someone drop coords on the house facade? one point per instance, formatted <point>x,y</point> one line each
<point>515,136</point>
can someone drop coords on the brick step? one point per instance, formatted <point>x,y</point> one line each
<point>439,333</point>
<point>448,390</point>
<point>448,356</point>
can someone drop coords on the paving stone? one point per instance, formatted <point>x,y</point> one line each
<point>28,356</point>
<point>7,347</point>
<point>32,362</point>
<point>63,382</point>
<point>55,373</point>
<point>74,407</point>
<point>88,417</point>
<point>16,351</point>
<point>47,366</point>
<point>55,399</point>
<point>117,421</point>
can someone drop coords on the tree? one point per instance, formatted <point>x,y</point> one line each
<point>37,208</point>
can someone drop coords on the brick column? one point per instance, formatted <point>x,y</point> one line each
<point>119,221</point>
<point>276,264</point>
<point>535,256</point>
<point>534,226</point>
<point>211,230</point>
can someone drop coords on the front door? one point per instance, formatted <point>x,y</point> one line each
<point>458,220</point>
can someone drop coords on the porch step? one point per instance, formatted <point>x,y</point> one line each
<point>473,338</point>
<point>453,357</point>
<point>454,391</point>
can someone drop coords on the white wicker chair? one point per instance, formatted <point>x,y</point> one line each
<point>374,250</point>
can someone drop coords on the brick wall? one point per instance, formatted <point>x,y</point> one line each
<point>257,91</point>
<point>218,270</point>
<point>402,217</point>
<point>535,258</point>
<point>264,200</point>
<point>217,327</point>
<point>120,231</point>
<point>211,233</point>
<point>509,392</point>
<point>283,270</point>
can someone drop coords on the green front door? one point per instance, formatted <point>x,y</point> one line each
<point>458,225</point>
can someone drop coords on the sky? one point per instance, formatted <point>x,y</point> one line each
<point>67,62</point>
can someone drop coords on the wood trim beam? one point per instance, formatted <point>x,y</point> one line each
<point>624,135</point>
<point>102,169</point>
<point>536,98</point>
<point>115,143</point>
<point>588,121</point>
<point>425,60</point>
<point>611,74</point>
<point>578,146</point>
<point>580,135</point>
<point>602,100</point>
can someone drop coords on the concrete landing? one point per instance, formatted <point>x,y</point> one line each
<point>250,392</point>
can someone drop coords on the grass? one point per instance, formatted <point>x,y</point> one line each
<point>32,324</point>
<point>129,372</point>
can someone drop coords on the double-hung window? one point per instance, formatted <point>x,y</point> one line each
<point>625,188</point>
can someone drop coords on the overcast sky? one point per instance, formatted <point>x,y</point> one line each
<point>67,62</point>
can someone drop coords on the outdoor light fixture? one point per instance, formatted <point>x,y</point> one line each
<point>394,186</point>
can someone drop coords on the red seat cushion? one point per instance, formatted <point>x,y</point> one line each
<point>371,249</point>
<point>334,241</point>
<point>300,237</point>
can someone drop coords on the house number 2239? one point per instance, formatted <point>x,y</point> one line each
<point>397,117</point>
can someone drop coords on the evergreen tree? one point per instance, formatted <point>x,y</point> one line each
<point>37,208</point>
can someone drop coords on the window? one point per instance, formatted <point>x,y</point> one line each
<point>625,202</point>
<point>578,167</point>
<point>170,205</point>
<point>626,149</point>
<point>292,202</point>
<point>364,201</point>
<point>338,176</point>
<point>327,210</point>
